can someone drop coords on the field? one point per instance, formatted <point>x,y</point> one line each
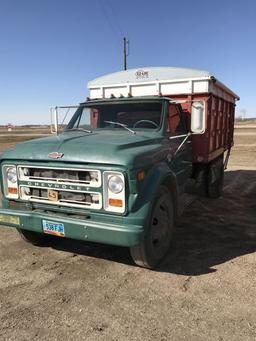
<point>204,290</point>
<point>19,134</point>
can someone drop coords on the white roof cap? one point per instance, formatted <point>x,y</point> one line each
<point>149,74</point>
<point>155,74</point>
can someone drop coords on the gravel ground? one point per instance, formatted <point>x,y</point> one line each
<point>204,290</point>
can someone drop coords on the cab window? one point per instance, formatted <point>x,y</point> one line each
<point>174,121</point>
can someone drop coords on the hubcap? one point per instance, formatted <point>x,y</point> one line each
<point>160,228</point>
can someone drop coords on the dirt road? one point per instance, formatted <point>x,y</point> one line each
<point>204,290</point>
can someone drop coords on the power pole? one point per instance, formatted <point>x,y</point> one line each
<point>243,114</point>
<point>126,54</point>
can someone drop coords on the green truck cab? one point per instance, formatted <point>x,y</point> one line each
<point>115,175</point>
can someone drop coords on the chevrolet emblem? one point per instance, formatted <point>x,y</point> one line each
<point>55,155</point>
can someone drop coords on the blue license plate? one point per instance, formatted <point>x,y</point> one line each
<point>51,227</point>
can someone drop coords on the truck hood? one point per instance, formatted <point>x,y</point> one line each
<point>105,147</point>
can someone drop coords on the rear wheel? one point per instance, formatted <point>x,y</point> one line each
<point>215,179</point>
<point>158,233</point>
<point>36,238</point>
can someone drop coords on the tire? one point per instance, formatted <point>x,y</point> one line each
<point>198,183</point>
<point>35,238</point>
<point>158,232</point>
<point>215,179</point>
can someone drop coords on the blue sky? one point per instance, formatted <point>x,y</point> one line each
<point>50,49</point>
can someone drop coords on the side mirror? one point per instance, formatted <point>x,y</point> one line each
<point>198,117</point>
<point>54,120</point>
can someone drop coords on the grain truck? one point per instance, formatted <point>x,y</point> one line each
<point>118,174</point>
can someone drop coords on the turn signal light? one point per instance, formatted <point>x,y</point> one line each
<point>141,175</point>
<point>12,190</point>
<point>115,202</point>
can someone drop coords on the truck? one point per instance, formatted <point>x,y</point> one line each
<point>142,142</point>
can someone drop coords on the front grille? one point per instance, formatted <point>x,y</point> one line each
<point>60,186</point>
<point>89,177</point>
<point>88,199</point>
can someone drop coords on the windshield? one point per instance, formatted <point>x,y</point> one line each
<point>131,116</point>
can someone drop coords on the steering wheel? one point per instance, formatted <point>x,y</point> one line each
<point>145,121</point>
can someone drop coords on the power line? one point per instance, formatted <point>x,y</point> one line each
<point>121,31</point>
<point>115,28</point>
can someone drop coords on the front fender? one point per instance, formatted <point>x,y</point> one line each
<point>147,189</point>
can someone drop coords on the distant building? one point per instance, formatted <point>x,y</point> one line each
<point>9,126</point>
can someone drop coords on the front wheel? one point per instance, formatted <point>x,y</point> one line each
<point>36,238</point>
<point>158,232</point>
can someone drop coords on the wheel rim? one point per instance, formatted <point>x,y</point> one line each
<point>160,228</point>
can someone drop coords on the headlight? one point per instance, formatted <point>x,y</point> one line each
<point>26,171</point>
<point>114,191</point>
<point>115,184</point>
<point>12,174</point>
<point>10,181</point>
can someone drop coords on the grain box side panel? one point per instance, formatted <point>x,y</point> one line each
<point>221,127</point>
<point>218,136</point>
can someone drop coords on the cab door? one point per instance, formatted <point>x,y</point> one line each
<point>180,146</point>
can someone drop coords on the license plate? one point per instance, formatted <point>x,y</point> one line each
<point>51,227</point>
<point>9,219</point>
